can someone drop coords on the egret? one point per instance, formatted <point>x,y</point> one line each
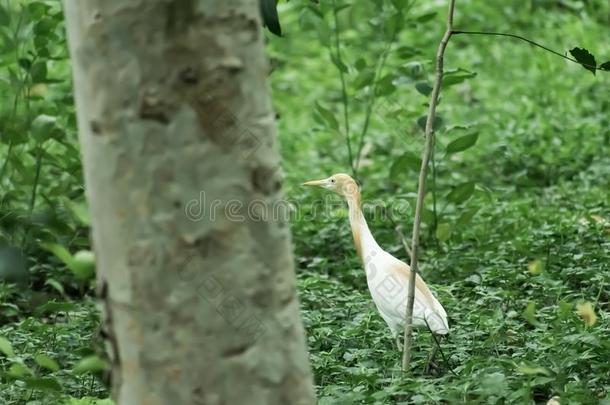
<point>387,277</point>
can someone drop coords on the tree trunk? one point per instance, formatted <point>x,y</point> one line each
<point>195,269</point>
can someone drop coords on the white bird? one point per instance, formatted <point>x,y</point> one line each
<point>387,277</point>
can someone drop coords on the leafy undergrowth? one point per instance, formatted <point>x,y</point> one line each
<point>517,249</point>
<point>510,281</point>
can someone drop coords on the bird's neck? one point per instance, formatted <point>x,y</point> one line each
<point>363,239</point>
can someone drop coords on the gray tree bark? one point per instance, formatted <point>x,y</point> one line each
<point>179,148</point>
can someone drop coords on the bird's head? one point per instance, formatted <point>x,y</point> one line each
<point>339,183</point>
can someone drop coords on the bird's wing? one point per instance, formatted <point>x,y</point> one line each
<point>433,312</point>
<point>403,272</point>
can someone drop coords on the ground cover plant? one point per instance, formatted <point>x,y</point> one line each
<point>516,230</point>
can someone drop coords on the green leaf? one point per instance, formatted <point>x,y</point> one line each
<point>39,72</point>
<point>535,267</point>
<point>60,252</point>
<point>79,210</point>
<point>43,126</point>
<point>38,9</point>
<point>325,116</point>
<point>6,347</point>
<point>462,143</point>
<point>407,52</point>
<point>400,4</point>
<point>424,18</point>
<point>438,123</point>
<point>25,63</point>
<point>269,15</point>
<point>605,66</point>
<point>19,370</point>
<point>394,24</point>
<point>461,193</point>
<point>457,76</point>
<point>467,216</point>
<point>585,58</point>
<point>54,306</point>
<point>83,264</point>
<point>56,285</point>
<point>341,7</point>
<point>43,384</point>
<point>360,64</point>
<point>423,88</point>
<point>364,78</point>
<point>385,85</point>
<point>324,33</point>
<point>443,232</point>
<point>406,161</point>
<point>529,314</point>
<point>5,17</point>
<point>533,370</point>
<point>47,362</point>
<point>90,364</point>
<point>339,63</point>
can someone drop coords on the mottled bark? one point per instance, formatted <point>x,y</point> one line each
<point>180,157</point>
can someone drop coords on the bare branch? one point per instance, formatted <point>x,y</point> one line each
<point>529,41</point>
<point>421,190</point>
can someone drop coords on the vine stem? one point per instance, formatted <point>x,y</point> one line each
<point>421,189</point>
<point>529,41</point>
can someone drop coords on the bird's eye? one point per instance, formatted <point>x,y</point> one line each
<point>332,180</point>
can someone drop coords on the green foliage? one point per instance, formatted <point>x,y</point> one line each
<point>269,15</point>
<point>517,226</point>
<point>48,320</point>
<point>521,232</point>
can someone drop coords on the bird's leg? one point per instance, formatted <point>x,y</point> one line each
<point>433,352</point>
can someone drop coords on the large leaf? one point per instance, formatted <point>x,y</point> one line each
<point>437,124</point>
<point>47,362</point>
<point>457,76</point>
<point>423,88</point>
<point>462,143</point>
<point>406,162</point>
<point>270,17</point>
<point>53,306</point>
<point>90,364</point>
<point>443,232</point>
<point>60,252</point>
<point>326,117</point>
<point>385,85</point>
<point>43,383</point>
<point>585,58</point>
<point>406,52</point>
<point>6,347</point>
<point>461,193</point>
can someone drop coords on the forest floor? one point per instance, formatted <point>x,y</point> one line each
<point>516,236</point>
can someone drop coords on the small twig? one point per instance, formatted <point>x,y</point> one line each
<point>344,97</point>
<point>529,41</point>
<point>421,190</point>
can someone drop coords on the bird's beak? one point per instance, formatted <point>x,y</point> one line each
<point>318,183</point>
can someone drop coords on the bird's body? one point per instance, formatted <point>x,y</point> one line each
<point>387,277</point>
